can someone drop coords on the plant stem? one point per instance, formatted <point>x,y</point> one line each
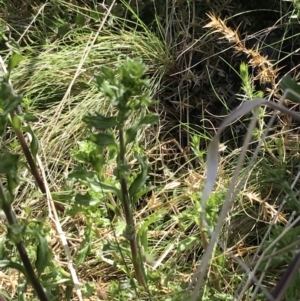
<point>11,218</point>
<point>32,165</point>
<point>136,259</point>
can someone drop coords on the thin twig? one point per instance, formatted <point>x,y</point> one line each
<point>54,217</point>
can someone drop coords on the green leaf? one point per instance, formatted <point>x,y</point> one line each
<point>69,292</point>
<point>106,83</point>
<point>244,73</point>
<point>21,292</point>
<point>4,264</point>
<point>12,103</point>
<point>86,200</point>
<point>82,254</point>
<point>112,247</point>
<point>288,83</point>
<point>142,233</point>
<point>9,163</point>
<point>145,121</point>
<point>86,244</point>
<point>82,174</point>
<point>88,289</point>
<point>100,122</point>
<point>106,74</point>
<point>9,101</point>
<point>104,188</point>
<point>30,117</point>
<point>122,171</point>
<point>103,139</point>
<point>2,246</point>
<point>15,232</point>
<point>131,134</point>
<point>149,119</point>
<point>64,29</point>
<point>89,178</point>
<point>62,196</point>
<point>140,179</point>
<point>14,60</point>
<point>144,190</point>
<point>187,243</point>
<point>89,153</point>
<point>80,20</point>
<point>16,123</point>
<point>12,182</point>
<point>34,144</point>
<point>9,166</point>
<point>43,255</point>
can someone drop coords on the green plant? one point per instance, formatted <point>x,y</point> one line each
<point>110,138</point>
<point>9,164</point>
<point>30,236</point>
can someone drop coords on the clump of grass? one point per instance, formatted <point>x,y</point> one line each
<point>44,78</point>
<point>52,71</point>
<point>248,230</point>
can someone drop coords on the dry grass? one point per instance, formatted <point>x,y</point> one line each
<point>266,72</point>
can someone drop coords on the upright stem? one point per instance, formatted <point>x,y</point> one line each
<point>32,165</point>
<point>11,218</point>
<point>136,258</point>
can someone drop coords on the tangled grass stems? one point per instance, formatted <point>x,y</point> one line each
<point>51,72</point>
<point>235,187</point>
